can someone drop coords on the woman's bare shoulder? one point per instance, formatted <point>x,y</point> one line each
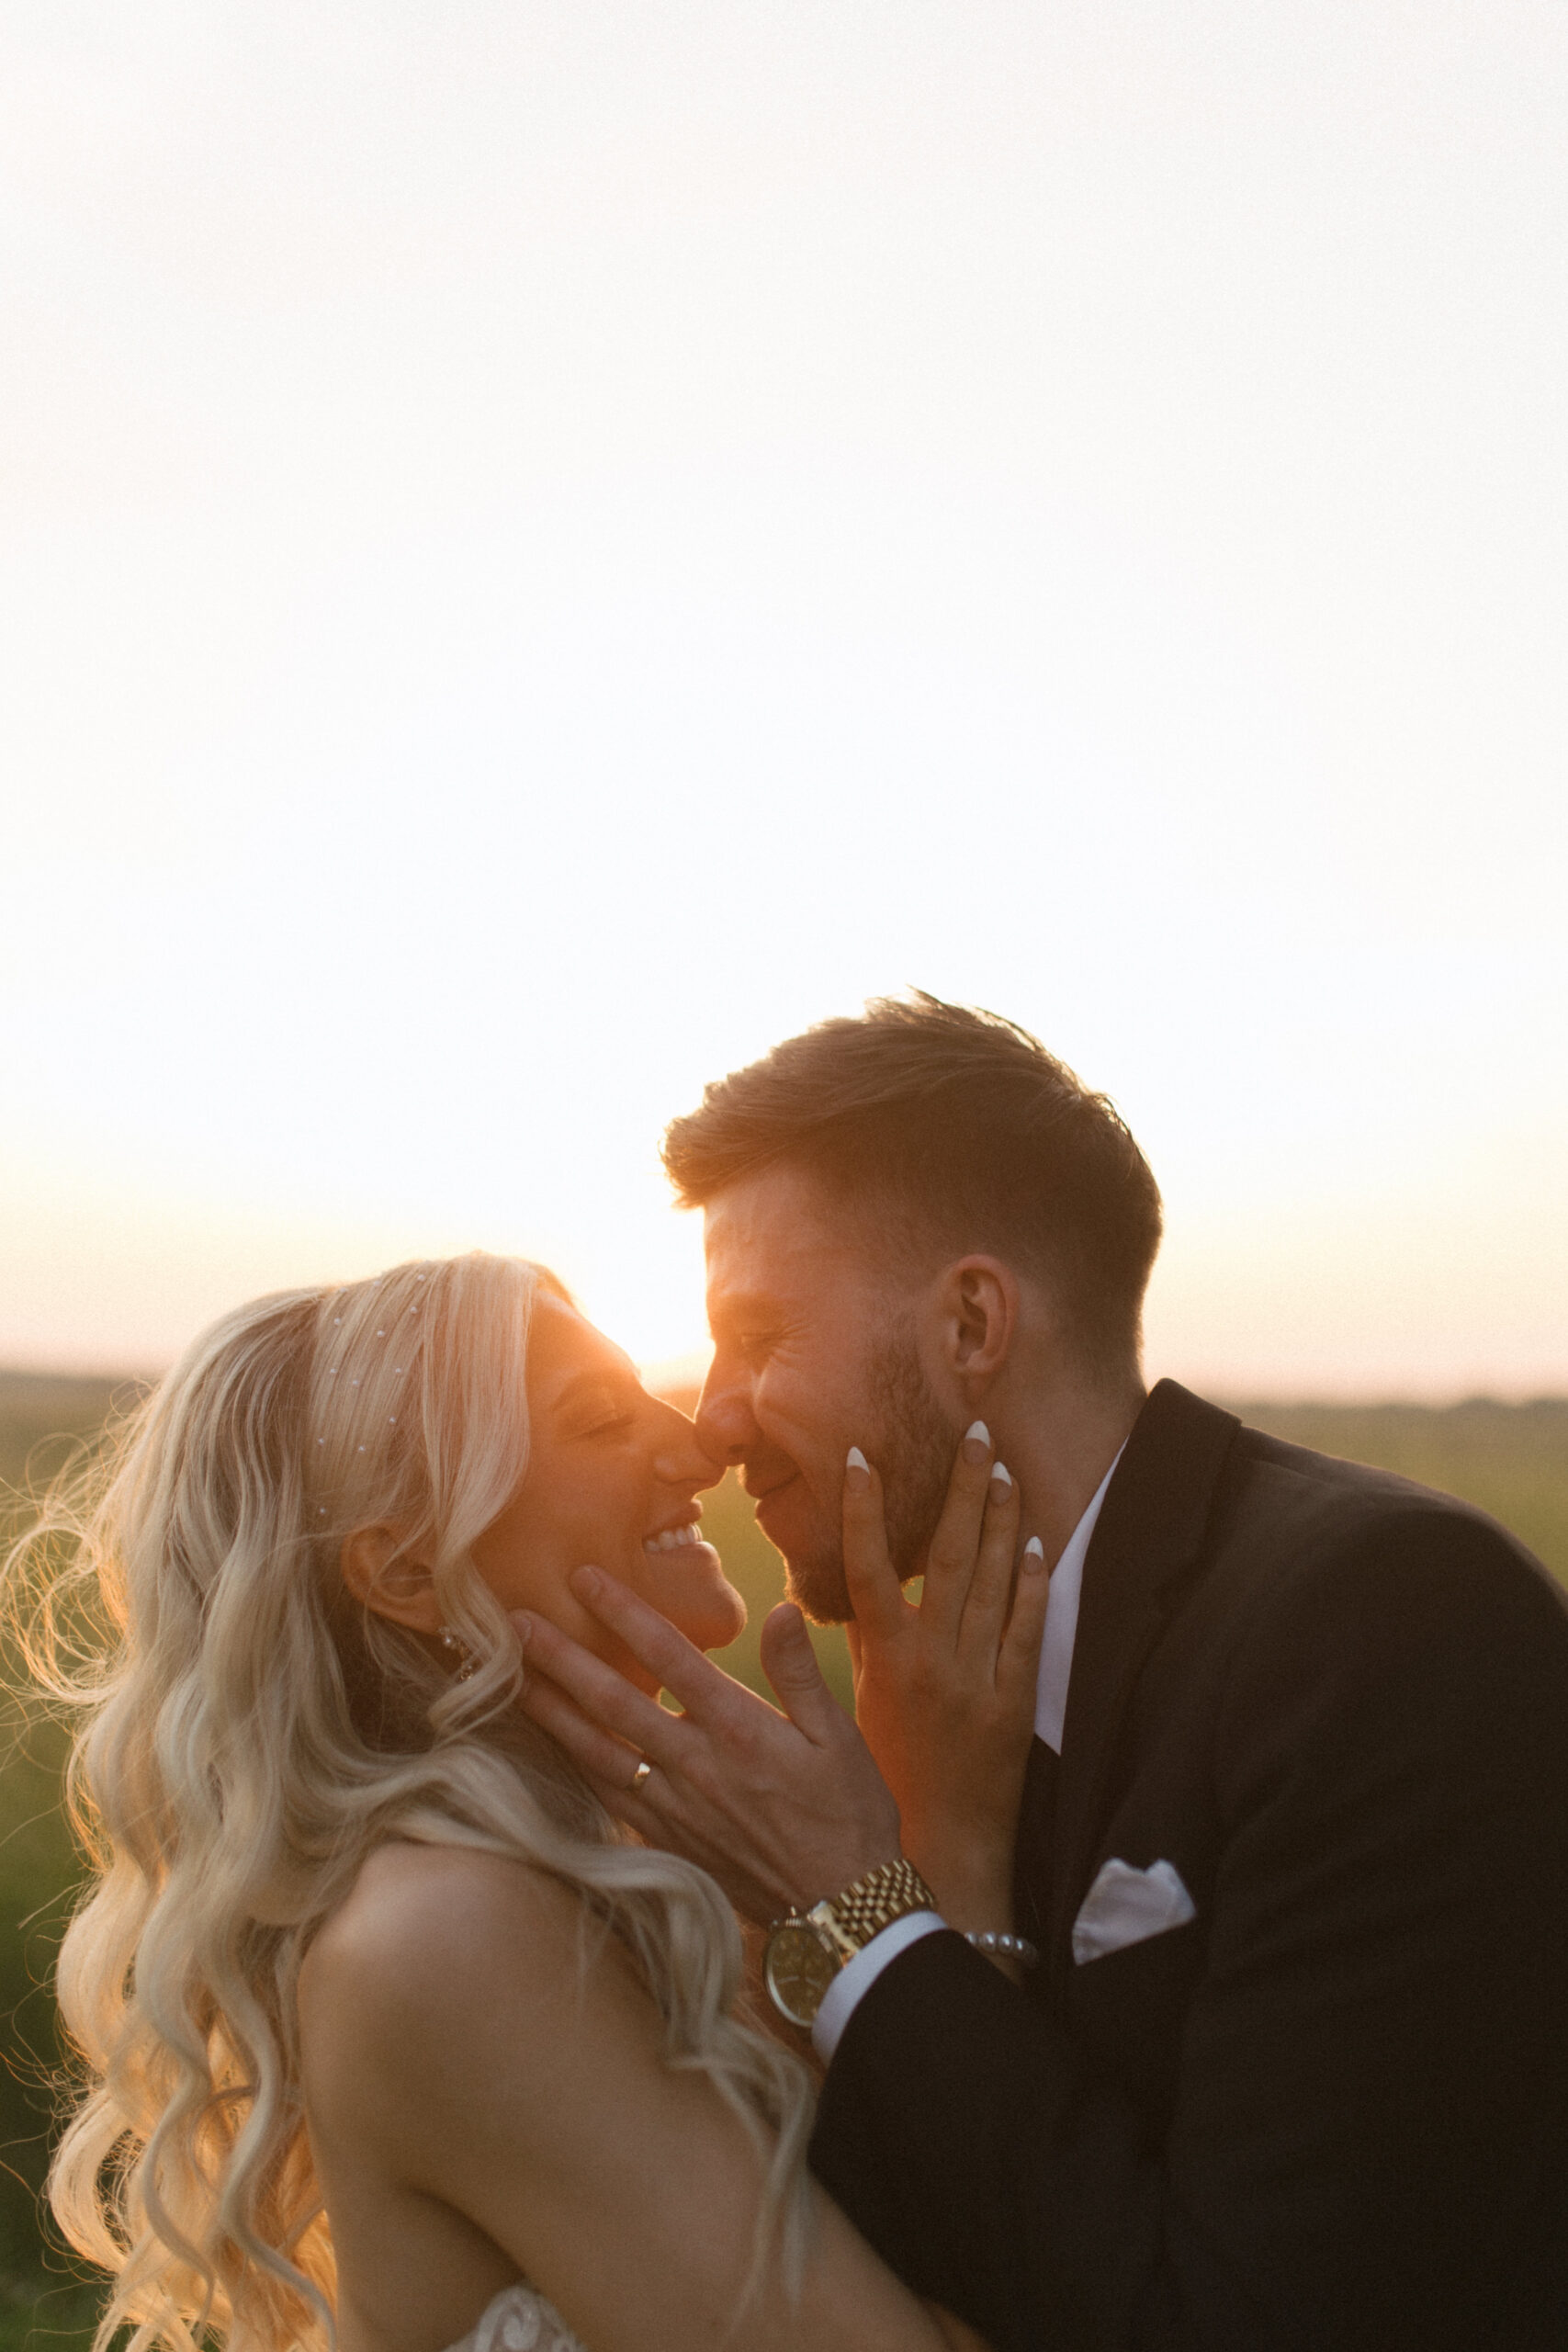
<point>462,2010</point>
<point>437,1953</point>
<point>425,1906</point>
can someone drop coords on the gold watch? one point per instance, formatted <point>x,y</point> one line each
<point>805,1951</point>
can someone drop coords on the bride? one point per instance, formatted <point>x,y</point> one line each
<point>392,2039</point>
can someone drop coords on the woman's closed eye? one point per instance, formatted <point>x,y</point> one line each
<point>611,1425</point>
<point>602,1408</point>
<point>601,1413</point>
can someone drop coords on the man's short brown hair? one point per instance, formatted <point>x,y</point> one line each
<point>954,1126</point>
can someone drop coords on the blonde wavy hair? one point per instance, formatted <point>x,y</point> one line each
<point>249,1734</point>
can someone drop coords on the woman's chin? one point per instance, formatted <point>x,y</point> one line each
<point>695,1596</point>
<point>723,1622</point>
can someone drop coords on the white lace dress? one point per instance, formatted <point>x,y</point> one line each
<point>519,2320</point>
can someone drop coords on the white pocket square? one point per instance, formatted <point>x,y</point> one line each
<point>1126,1907</point>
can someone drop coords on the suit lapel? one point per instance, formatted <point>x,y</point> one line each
<point>1151,1527</point>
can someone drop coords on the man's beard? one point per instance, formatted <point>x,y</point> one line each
<point>912,1447</point>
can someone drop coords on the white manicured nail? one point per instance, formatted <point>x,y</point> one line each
<point>978,1429</point>
<point>1034,1549</point>
<point>856,1460</point>
<point>1000,1470</point>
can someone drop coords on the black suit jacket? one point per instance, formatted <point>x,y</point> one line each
<point>1332,2110</point>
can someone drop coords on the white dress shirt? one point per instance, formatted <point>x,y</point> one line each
<point>857,1976</point>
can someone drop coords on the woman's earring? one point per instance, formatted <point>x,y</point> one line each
<point>459,1650</point>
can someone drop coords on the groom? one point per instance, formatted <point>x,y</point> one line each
<point>1291,2071</point>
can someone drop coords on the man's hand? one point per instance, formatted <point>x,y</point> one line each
<point>944,1693</point>
<point>783,1810</point>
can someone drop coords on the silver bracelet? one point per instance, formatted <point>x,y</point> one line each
<point>997,1946</point>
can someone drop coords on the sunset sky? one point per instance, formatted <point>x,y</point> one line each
<point>544,546</point>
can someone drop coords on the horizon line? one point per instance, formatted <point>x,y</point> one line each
<point>679,1377</point>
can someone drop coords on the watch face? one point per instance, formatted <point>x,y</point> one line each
<point>798,1967</point>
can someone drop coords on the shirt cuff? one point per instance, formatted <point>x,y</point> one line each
<point>857,1976</point>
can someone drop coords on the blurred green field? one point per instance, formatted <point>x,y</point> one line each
<point>44,2301</point>
<point>1511,1460</point>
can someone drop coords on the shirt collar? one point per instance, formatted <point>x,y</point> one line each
<point>1062,1622</point>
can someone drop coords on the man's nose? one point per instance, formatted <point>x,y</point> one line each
<point>682,1459</point>
<point>727,1427</point>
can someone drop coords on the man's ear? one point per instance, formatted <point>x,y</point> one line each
<point>978,1310</point>
<point>390,1583</point>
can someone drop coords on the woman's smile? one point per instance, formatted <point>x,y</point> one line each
<point>671,1539</point>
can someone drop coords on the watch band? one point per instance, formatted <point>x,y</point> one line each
<point>805,1951</point>
<point>890,1892</point>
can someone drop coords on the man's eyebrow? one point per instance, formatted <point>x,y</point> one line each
<point>734,1305</point>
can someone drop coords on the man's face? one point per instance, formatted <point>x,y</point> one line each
<point>816,1348</point>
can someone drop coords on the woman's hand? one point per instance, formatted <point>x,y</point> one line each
<point>784,1809</point>
<point>944,1693</point>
